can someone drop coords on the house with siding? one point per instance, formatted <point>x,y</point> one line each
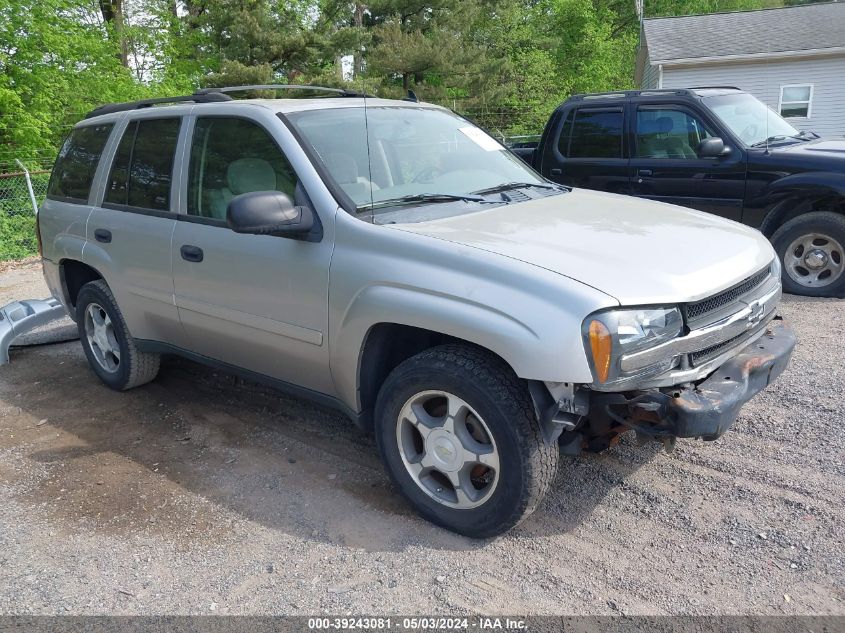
<point>791,58</point>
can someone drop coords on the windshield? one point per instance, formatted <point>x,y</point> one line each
<point>414,155</point>
<point>749,119</point>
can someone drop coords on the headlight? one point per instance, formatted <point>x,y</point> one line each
<point>776,267</point>
<point>613,334</point>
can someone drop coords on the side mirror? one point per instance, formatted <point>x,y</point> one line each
<point>268,213</point>
<point>712,147</point>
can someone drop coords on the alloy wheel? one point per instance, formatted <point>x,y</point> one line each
<point>99,330</point>
<point>448,449</point>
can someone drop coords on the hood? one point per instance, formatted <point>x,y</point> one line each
<point>638,251</point>
<point>816,151</point>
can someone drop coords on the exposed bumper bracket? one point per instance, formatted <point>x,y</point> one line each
<point>20,317</point>
<point>708,408</point>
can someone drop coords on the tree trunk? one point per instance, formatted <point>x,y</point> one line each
<point>112,11</point>
<point>406,82</point>
<point>358,56</point>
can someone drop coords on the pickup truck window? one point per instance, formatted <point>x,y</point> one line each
<point>397,152</point>
<point>143,165</point>
<point>77,162</point>
<point>597,133</point>
<point>668,133</point>
<point>231,156</point>
<point>749,119</point>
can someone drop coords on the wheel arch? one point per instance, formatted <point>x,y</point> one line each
<point>385,347</point>
<point>803,193</point>
<point>73,275</point>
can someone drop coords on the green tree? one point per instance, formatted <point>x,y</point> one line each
<point>55,64</point>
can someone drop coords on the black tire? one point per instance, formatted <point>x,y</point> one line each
<point>135,367</point>
<point>528,464</point>
<point>822,222</point>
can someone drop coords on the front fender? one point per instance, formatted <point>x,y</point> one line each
<point>824,181</point>
<point>529,316</point>
<point>781,196</point>
<point>484,325</point>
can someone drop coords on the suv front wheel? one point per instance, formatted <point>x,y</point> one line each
<point>458,434</point>
<point>110,349</point>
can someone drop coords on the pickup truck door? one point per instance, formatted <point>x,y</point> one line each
<point>664,165</point>
<point>257,302</point>
<point>587,149</point>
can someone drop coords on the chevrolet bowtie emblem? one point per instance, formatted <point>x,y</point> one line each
<point>757,312</point>
<point>443,452</point>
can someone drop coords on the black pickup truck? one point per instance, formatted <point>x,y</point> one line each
<point>718,150</point>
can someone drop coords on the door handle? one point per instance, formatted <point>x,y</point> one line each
<point>557,171</point>
<point>644,172</point>
<point>102,235</point>
<point>191,253</point>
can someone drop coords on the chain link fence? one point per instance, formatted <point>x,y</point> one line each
<point>17,217</point>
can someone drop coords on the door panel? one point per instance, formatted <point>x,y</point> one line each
<point>664,165</point>
<point>136,264</point>
<point>129,236</point>
<point>258,302</point>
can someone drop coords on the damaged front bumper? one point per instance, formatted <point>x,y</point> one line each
<point>20,317</point>
<point>705,409</point>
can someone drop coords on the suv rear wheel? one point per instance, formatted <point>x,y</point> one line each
<point>110,349</point>
<point>460,440</point>
<point>811,248</point>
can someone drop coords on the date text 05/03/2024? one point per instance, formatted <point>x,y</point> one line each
<point>417,623</point>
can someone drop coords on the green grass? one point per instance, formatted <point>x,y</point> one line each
<point>17,236</point>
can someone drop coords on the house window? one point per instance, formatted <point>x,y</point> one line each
<point>795,100</point>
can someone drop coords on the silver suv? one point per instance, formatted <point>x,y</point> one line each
<point>392,260</point>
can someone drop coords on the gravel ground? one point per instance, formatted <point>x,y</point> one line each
<point>200,494</point>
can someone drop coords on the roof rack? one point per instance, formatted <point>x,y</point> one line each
<point>147,103</point>
<point>227,89</point>
<point>621,94</point>
<point>213,95</point>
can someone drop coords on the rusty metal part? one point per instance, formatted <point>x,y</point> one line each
<point>705,409</point>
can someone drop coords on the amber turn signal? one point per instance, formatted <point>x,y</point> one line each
<point>601,346</point>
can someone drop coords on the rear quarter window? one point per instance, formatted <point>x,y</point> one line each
<point>74,170</point>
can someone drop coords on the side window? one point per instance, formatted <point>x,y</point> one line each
<point>565,133</point>
<point>142,170</point>
<point>597,133</point>
<point>229,157</point>
<point>74,170</point>
<point>668,133</point>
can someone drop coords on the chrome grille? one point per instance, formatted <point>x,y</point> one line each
<point>695,311</point>
<point>702,356</point>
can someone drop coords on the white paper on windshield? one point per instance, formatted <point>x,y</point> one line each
<point>481,139</point>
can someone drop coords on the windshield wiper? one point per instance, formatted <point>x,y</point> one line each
<point>771,139</point>
<point>518,185</point>
<point>428,197</point>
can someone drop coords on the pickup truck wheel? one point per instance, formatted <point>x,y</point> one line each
<point>110,349</point>
<point>811,248</point>
<point>460,440</point>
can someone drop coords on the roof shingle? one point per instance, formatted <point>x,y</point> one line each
<point>806,27</point>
